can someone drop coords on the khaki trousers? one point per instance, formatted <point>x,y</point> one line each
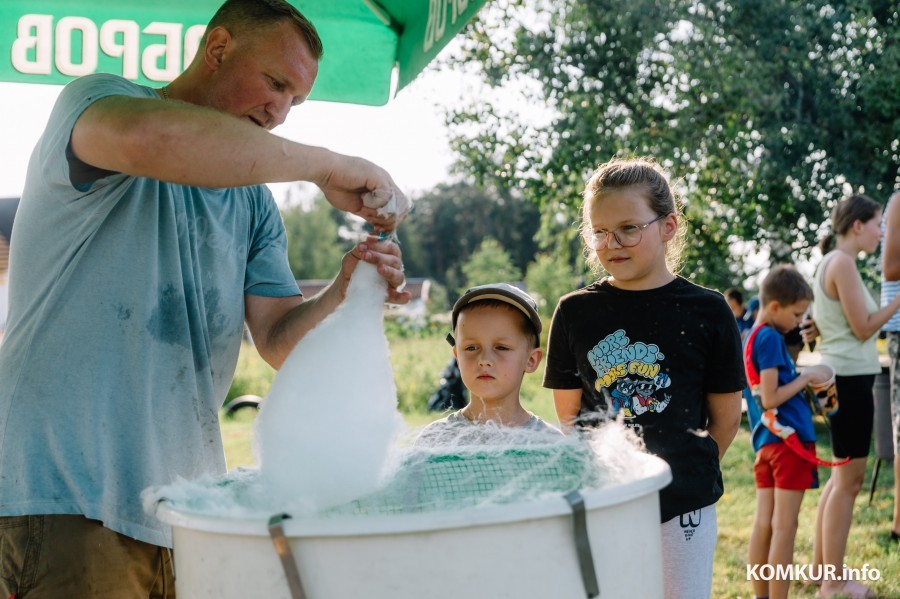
<point>71,557</point>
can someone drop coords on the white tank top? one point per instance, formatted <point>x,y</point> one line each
<point>838,346</point>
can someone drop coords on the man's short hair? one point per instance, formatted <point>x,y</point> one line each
<point>238,16</point>
<point>735,294</point>
<point>785,285</point>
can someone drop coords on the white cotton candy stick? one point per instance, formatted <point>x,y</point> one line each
<point>324,432</point>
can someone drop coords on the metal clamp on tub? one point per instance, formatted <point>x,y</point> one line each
<point>283,549</point>
<point>583,544</point>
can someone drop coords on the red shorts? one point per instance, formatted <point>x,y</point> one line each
<point>778,466</point>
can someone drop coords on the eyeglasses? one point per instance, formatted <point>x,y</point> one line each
<point>626,236</point>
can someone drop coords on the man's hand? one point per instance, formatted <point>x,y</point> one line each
<point>386,256</point>
<point>362,188</point>
<point>278,323</point>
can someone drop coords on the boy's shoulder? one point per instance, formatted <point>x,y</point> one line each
<point>768,337</point>
<point>457,430</point>
<point>536,423</point>
<point>769,349</point>
<point>767,331</point>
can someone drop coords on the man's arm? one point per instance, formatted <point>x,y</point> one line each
<point>278,323</point>
<point>724,418</point>
<point>891,252</point>
<point>194,145</point>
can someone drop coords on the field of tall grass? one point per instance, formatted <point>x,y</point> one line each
<point>418,362</point>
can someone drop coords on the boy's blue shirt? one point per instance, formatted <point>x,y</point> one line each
<point>770,351</point>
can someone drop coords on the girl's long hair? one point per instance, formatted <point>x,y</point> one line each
<point>845,213</point>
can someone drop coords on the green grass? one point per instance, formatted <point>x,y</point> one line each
<point>868,542</point>
<point>418,362</point>
<point>237,435</point>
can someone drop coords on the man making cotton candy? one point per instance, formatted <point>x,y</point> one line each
<point>144,240</point>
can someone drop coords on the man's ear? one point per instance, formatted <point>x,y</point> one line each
<point>217,41</point>
<point>534,360</point>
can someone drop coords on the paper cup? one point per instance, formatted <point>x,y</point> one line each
<point>826,394</point>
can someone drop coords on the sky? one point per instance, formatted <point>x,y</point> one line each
<point>407,136</point>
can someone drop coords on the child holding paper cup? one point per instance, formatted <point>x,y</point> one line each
<point>783,435</point>
<point>825,393</point>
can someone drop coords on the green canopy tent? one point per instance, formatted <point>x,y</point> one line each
<point>150,41</point>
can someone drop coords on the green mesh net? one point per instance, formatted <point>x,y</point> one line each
<point>424,480</point>
<point>429,480</point>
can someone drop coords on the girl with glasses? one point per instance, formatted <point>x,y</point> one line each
<point>646,346</point>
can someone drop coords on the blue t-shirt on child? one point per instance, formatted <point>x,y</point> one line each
<point>770,351</point>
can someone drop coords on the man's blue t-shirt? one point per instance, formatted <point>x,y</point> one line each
<point>769,351</point>
<point>125,321</point>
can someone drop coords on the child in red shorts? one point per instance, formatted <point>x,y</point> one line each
<point>783,471</point>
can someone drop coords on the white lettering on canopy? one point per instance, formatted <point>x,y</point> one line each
<point>64,59</point>
<point>33,53</point>
<point>127,50</point>
<point>170,51</point>
<point>436,26</point>
<point>33,32</point>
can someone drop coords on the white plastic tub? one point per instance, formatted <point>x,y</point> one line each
<point>519,551</point>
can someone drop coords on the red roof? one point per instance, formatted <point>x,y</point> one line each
<point>417,286</point>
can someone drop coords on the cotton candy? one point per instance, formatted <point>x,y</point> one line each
<point>325,430</point>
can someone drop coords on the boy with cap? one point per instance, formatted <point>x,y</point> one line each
<point>497,340</point>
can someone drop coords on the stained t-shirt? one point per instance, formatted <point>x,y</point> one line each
<point>652,355</point>
<point>125,322</point>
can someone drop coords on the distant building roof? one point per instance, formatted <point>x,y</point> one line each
<point>417,286</point>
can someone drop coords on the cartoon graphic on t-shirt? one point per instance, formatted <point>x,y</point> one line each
<point>621,395</point>
<point>628,375</point>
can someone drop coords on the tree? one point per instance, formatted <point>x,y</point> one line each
<point>489,263</point>
<point>448,223</point>
<point>764,111</point>
<point>315,248</point>
<point>548,278</point>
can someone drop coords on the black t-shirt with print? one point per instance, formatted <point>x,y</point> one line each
<point>652,355</point>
